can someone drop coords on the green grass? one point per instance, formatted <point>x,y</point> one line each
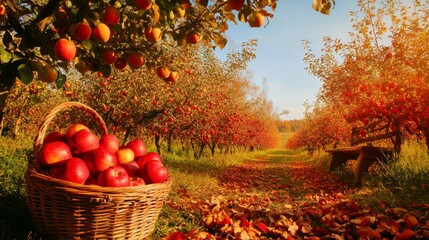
<point>404,180</point>
<point>13,209</point>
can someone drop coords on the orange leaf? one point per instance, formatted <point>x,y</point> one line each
<point>306,228</point>
<point>176,236</point>
<point>368,232</point>
<point>244,222</point>
<point>407,234</point>
<point>410,220</point>
<point>261,226</point>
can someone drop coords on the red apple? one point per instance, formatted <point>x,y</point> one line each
<point>108,56</point>
<point>74,170</point>
<point>148,157</point>
<point>153,34</point>
<point>54,153</point>
<point>136,60</point>
<point>256,20</point>
<point>172,78</point>
<point>162,72</point>
<point>101,32</point>
<point>125,155</point>
<point>47,74</point>
<point>65,49</point>
<point>121,63</point>
<point>143,4</point>
<point>99,160</point>
<point>54,137</point>
<point>136,181</point>
<point>53,171</point>
<point>132,168</point>
<point>114,176</point>
<point>82,31</point>
<point>111,15</point>
<point>154,172</point>
<point>110,142</point>
<point>138,147</point>
<point>74,129</point>
<point>235,4</point>
<point>83,141</point>
<point>192,37</point>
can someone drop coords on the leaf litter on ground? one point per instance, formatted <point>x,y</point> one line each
<point>295,200</point>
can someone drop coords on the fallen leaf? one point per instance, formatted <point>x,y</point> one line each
<point>261,226</point>
<point>368,232</point>
<point>410,220</point>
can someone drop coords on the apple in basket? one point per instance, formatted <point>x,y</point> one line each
<point>153,171</point>
<point>83,141</point>
<point>54,137</point>
<point>99,159</point>
<point>132,168</point>
<point>74,129</point>
<point>114,176</point>
<point>136,181</point>
<point>73,170</point>
<point>138,147</point>
<point>54,153</point>
<point>141,161</point>
<point>110,142</point>
<point>125,155</point>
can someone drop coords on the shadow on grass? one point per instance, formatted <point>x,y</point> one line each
<point>15,220</point>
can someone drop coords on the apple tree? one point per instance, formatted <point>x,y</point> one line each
<point>378,80</point>
<point>48,39</point>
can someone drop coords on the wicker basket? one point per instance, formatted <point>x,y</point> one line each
<point>65,210</point>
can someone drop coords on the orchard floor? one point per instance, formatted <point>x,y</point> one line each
<point>283,195</point>
<point>278,194</point>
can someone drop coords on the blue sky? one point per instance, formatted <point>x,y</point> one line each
<point>280,51</point>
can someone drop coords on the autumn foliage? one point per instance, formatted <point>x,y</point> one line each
<point>379,78</point>
<point>213,107</point>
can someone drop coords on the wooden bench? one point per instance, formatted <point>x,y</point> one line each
<point>364,155</point>
<point>310,150</point>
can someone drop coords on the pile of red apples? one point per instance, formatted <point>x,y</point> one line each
<point>80,156</point>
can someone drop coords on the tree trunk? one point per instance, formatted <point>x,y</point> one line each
<point>7,78</point>
<point>157,144</point>
<point>212,148</point>
<point>17,124</point>
<point>127,134</point>
<point>202,145</point>
<point>426,131</point>
<point>169,141</point>
<point>194,150</point>
<point>398,142</point>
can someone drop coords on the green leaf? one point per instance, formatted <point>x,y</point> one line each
<point>87,44</point>
<point>62,78</point>
<point>25,73</point>
<point>5,55</point>
<point>16,56</point>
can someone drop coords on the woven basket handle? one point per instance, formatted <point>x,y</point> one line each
<point>48,118</point>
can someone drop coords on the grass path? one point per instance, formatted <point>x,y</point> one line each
<point>281,194</point>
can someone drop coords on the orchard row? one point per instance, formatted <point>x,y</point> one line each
<point>213,105</point>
